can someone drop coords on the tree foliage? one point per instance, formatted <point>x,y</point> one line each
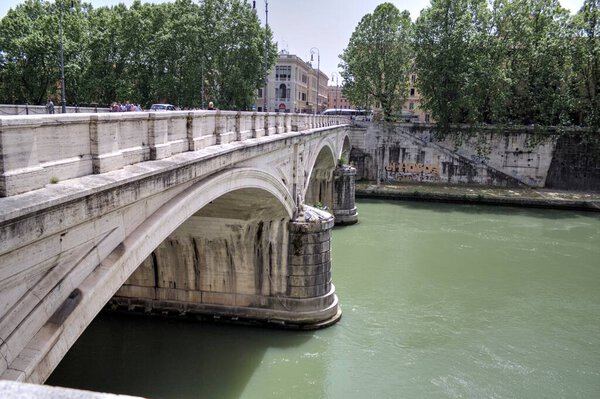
<point>455,59</point>
<point>376,63</point>
<point>177,52</point>
<point>586,55</point>
<point>510,61</point>
<point>534,40</point>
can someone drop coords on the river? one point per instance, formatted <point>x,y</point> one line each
<point>439,301</point>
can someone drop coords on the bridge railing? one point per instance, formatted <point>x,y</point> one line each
<point>37,150</point>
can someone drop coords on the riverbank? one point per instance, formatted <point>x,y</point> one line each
<point>522,197</point>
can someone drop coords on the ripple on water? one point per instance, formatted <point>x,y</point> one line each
<point>491,360</point>
<point>457,386</point>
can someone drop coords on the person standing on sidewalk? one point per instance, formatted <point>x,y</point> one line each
<point>50,106</point>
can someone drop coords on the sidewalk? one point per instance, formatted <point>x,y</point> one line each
<point>526,197</point>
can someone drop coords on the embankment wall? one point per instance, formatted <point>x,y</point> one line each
<point>508,157</point>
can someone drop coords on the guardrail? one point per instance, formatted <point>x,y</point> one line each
<point>26,109</point>
<point>37,150</point>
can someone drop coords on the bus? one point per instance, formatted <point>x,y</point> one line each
<point>354,114</point>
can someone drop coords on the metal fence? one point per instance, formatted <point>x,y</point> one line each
<point>25,109</point>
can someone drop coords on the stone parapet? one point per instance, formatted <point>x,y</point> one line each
<point>36,150</point>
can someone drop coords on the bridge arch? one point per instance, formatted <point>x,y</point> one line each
<point>214,195</point>
<point>331,152</point>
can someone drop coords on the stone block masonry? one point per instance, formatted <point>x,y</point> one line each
<point>251,271</point>
<point>37,150</point>
<point>204,203</point>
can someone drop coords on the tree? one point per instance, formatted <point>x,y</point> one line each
<point>458,76</point>
<point>586,63</point>
<point>29,39</point>
<point>234,45</point>
<point>146,53</point>
<point>29,43</point>
<point>377,61</point>
<point>535,37</point>
<point>507,64</point>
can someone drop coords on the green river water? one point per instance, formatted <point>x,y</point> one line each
<point>439,301</point>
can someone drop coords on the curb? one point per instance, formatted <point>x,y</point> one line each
<point>543,203</point>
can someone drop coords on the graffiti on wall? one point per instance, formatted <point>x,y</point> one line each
<point>405,171</point>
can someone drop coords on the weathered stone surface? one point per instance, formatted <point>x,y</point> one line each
<point>308,270</point>
<point>344,209</point>
<point>403,152</point>
<point>11,389</point>
<point>575,165</point>
<point>209,227</point>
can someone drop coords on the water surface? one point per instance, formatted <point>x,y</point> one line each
<point>439,301</point>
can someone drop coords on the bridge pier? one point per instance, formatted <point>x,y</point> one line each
<point>344,208</point>
<point>251,271</point>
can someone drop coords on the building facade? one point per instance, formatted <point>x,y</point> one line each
<point>411,109</point>
<point>335,98</point>
<point>412,104</point>
<point>292,87</point>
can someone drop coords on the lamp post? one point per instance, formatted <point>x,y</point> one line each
<point>63,97</point>
<point>312,51</point>
<point>265,107</point>
<point>202,83</point>
<point>336,88</point>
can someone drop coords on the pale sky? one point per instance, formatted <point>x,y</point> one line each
<point>299,25</point>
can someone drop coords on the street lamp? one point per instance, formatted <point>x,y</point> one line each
<point>63,98</point>
<point>265,107</point>
<point>336,88</point>
<point>312,51</point>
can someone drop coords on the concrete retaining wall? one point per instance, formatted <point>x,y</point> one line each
<point>507,158</point>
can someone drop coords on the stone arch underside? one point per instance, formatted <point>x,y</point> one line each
<point>346,148</point>
<point>331,182</point>
<point>60,333</point>
<point>319,190</point>
<point>231,253</point>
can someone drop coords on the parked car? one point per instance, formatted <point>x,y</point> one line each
<point>162,107</point>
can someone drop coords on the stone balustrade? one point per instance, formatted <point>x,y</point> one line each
<point>37,150</point>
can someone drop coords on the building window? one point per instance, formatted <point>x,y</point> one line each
<point>260,93</point>
<point>412,92</point>
<point>413,79</point>
<point>303,96</point>
<point>283,72</point>
<point>411,106</point>
<point>282,91</point>
<point>304,78</point>
<point>427,118</point>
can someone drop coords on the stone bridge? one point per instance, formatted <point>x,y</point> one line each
<point>201,213</point>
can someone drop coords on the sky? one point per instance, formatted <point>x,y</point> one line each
<point>299,25</point>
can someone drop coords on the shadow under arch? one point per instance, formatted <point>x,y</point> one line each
<point>112,272</point>
<point>346,148</point>
<point>319,183</point>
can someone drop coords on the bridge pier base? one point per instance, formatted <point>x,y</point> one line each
<point>344,208</point>
<point>282,269</point>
